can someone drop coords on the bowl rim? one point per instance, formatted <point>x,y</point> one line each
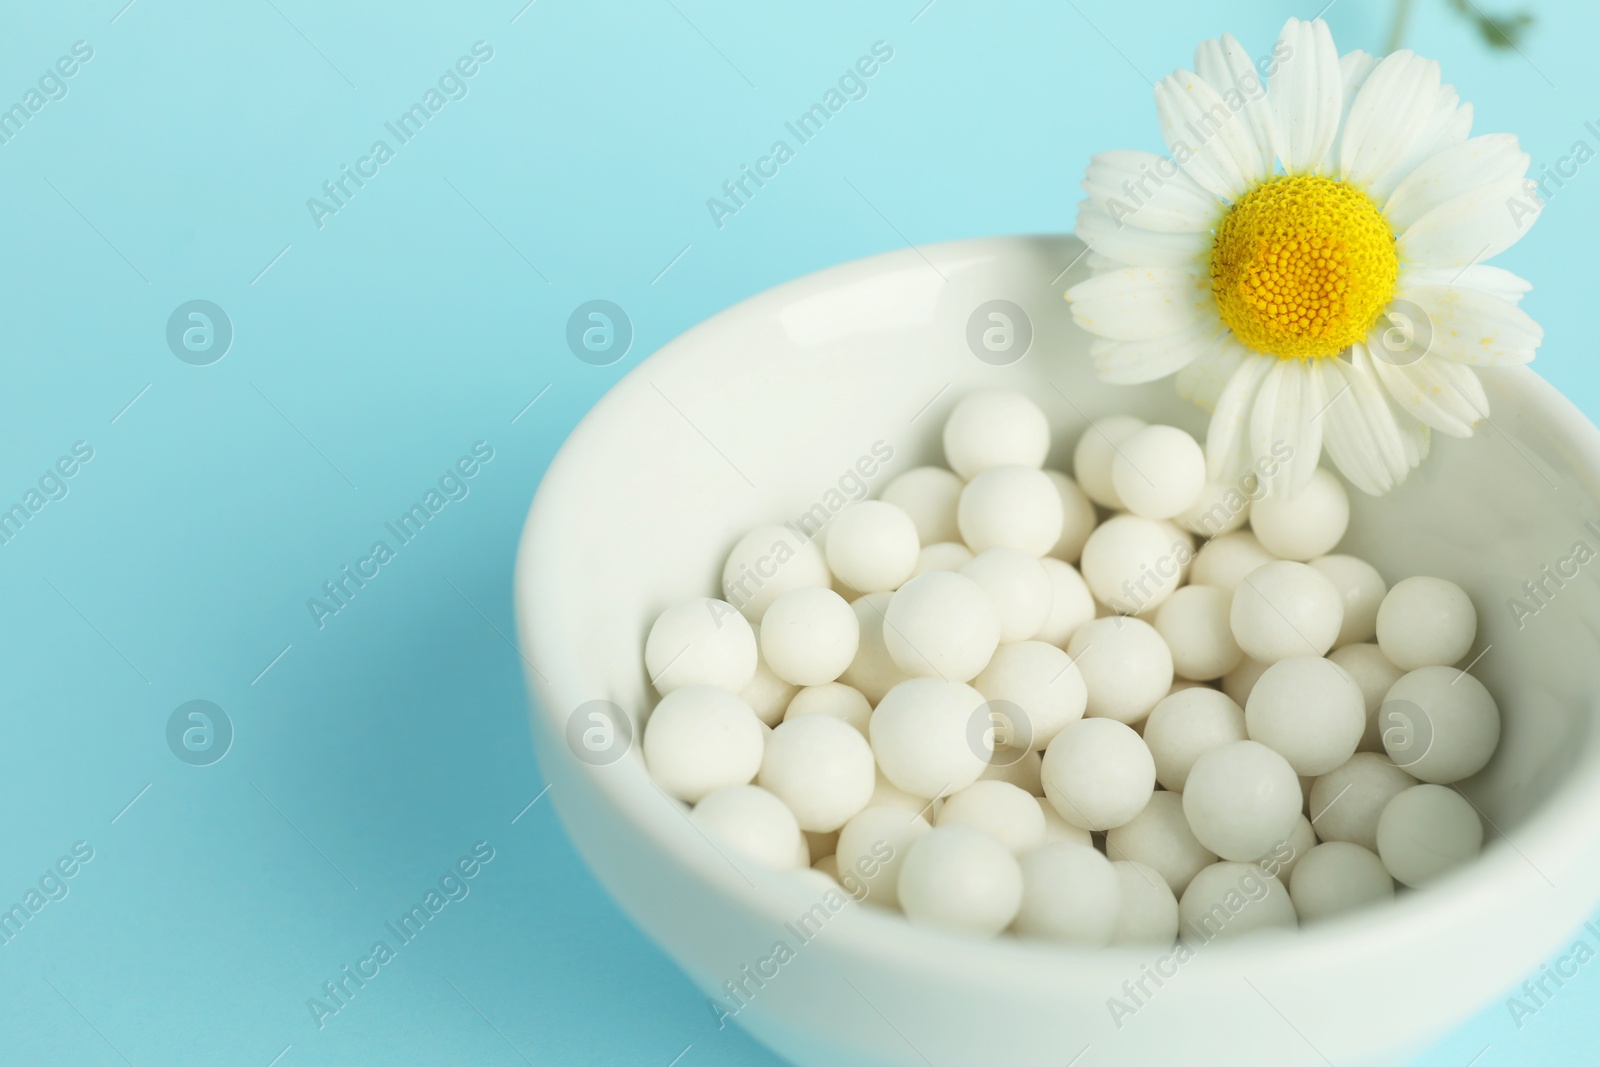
<point>1552,830</point>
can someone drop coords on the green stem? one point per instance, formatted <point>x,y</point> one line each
<point>1397,28</point>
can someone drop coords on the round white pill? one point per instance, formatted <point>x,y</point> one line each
<point>809,636</point>
<point>999,809</point>
<point>1071,603</point>
<point>821,844</point>
<point>1219,509</point>
<point>942,556</point>
<point>700,642</point>
<point>1070,893</point>
<point>766,693</point>
<point>1158,471</point>
<point>1078,517</point>
<point>922,734</point>
<point>828,865</point>
<point>834,700</point>
<point>1132,564</point>
<point>886,794</point>
<point>1426,622</point>
<point>1149,912</point>
<point>874,672</point>
<point>1010,507</point>
<point>821,767</point>
<point>1160,838</point>
<point>958,878</point>
<point>1019,768</point>
<point>1186,725</point>
<point>1306,525</point>
<point>1098,774</point>
<point>1241,800</point>
<point>1125,664</point>
<point>699,739</point>
<point>1282,858</point>
<point>1037,688</point>
<point>1194,622</point>
<point>1439,724</point>
<point>1361,589</point>
<point>872,546</point>
<point>1228,900</point>
<point>1018,586</point>
<point>928,495</point>
<point>1058,829</point>
<point>941,625</point>
<point>1426,832</point>
<point>1309,711</point>
<point>1238,682</point>
<point>1338,877</point>
<point>872,849</point>
<point>995,428</point>
<point>1224,561</point>
<point>753,823</point>
<point>1373,672</point>
<point>1285,609</point>
<point>767,562</point>
<point>1094,453</point>
<point>1347,801</point>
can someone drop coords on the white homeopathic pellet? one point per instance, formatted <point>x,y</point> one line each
<point>1132,564</point>
<point>1098,774</point>
<point>1160,838</point>
<point>753,822</point>
<point>1238,682</point>
<point>1042,682</point>
<point>1071,603</point>
<point>1224,561</point>
<point>1125,664</point>
<point>922,735</point>
<point>942,556</point>
<point>1285,609</point>
<point>1440,725</point>
<point>1361,589</point>
<point>874,672</point>
<point>1149,912</point>
<point>766,693</point>
<point>1194,622</point>
<point>1000,810</point>
<point>941,625</point>
<point>1219,509</point>
<point>1337,877</point>
<point>1018,585</point>
<point>1306,525</point>
<point>1228,900</point>
<point>928,495</point>
<point>701,738</point>
<point>958,878</point>
<point>1078,518</point>
<point>833,699</point>
<point>872,546</point>
<point>700,642</point>
<point>1309,711</point>
<point>1016,766</point>
<point>1069,893</point>
<point>1186,725</point>
<point>1010,507</point>
<point>1373,672</point>
<point>1093,455</point>
<point>821,767</point>
<point>1058,829</point>
<point>1426,622</point>
<point>1282,858</point>
<point>1347,802</point>
<point>995,428</point>
<point>1241,800</point>
<point>1427,832</point>
<point>809,636</point>
<point>1158,471</point>
<point>768,562</point>
<point>873,846</point>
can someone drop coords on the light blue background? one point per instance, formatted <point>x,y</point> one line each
<point>369,355</point>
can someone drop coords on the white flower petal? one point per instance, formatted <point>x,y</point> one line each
<point>1360,429</point>
<point>1445,395</point>
<point>1354,68</point>
<point>1446,127</point>
<point>1151,192</point>
<point>1228,436</point>
<point>1203,134</point>
<point>1141,248</point>
<point>1133,362</point>
<point>1496,281</point>
<point>1306,93</point>
<point>1475,225</point>
<point>1201,382</point>
<point>1469,326</point>
<point>1388,116</point>
<point>1227,67</point>
<point>1285,412</point>
<point>1137,303</point>
<point>1494,157</point>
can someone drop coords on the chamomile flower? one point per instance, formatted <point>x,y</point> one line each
<point>1308,260</point>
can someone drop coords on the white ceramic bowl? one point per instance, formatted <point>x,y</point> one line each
<point>753,416</point>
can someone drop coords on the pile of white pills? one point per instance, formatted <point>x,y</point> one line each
<point>1125,706</point>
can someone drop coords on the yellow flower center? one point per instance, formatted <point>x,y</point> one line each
<point>1302,266</point>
